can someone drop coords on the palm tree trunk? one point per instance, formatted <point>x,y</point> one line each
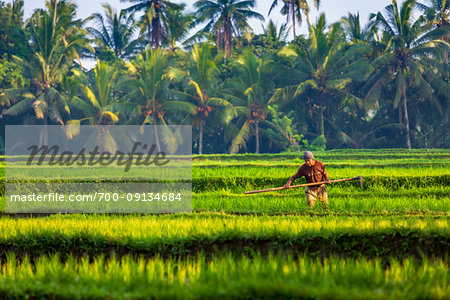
<point>45,137</point>
<point>293,16</point>
<point>405,108</point>
<point>99,139</point>
<point>228,37</point>
<point>257,136</point>
<point>322,124</point>
<point>200,139</point>
<point>54,15</point>
<point>219,36</point>
<point>156,34</point>
<point>155,28</point>
<point>155,123</point>
<point>149,35</point>
<point>307,19</point>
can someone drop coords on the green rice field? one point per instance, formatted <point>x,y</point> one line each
<point>389,239</point>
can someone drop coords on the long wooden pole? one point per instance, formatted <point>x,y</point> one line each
<point>306,184</point>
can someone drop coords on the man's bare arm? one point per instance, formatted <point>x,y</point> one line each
<point>288,183</point>
<point>292,179</point>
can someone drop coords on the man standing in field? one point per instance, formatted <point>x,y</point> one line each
<point>314,171</point>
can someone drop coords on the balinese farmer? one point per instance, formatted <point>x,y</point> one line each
<point>314,171</point>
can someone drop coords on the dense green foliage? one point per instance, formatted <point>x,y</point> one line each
<point>342,85</point>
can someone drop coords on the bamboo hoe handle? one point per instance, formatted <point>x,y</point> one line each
<point>305,184</point>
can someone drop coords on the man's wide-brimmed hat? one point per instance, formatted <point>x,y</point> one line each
<point>308,155</point>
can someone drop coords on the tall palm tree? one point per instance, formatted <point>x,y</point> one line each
<point>274,36</point>
<point>270,41</point>
<point>202,86</point>
<point>226,18</point>
<point>148,81</point>
<point>404,61</point>
<point>323,69</point>
<point>293,8</point>
<point>254,88</point>
<point>97,104</point>
<point>115,31</point>
<point>178,27</point>
<point>352,27</point>
<point>155,18</point>
<point>56,38</point>
<point>437,13</point>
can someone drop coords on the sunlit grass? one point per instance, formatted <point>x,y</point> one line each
<point>287,172</point>
<point>405,197</point>
<point>224,276</point>
<point>162,227</point>
<point>340,199</point>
